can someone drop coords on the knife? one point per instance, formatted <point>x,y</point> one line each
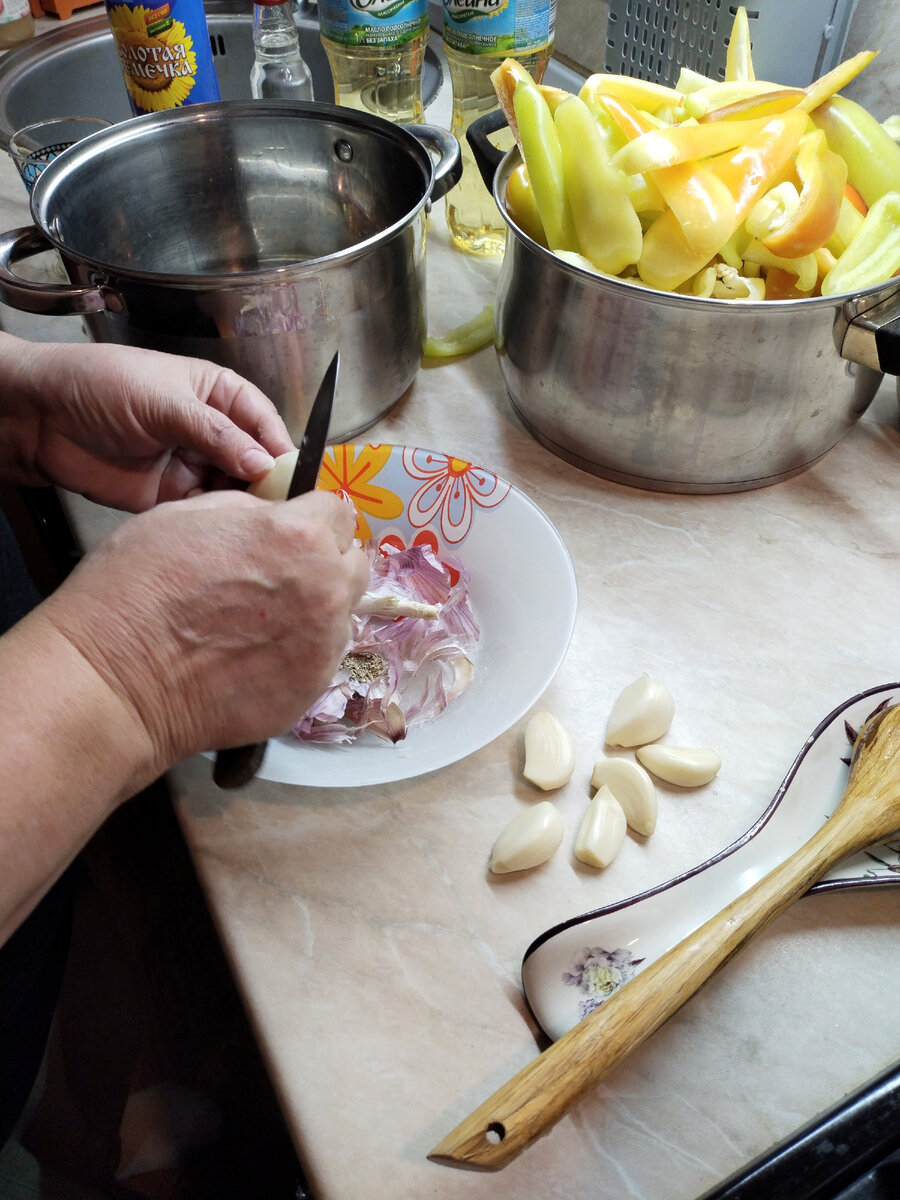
<point>237,765</point>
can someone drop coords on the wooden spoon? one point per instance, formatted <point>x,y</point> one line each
<point>533,1101</point>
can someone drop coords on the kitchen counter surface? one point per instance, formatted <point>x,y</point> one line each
<point>378,958</point>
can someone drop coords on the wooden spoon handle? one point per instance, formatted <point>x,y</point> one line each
<point>529,1105</point>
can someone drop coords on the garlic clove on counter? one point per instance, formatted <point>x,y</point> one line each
<point>549,752</point>
<point>602,831</point>
<point>528,840</point>
<point>276,481</point>
<point>642,713</point>
<point>684,766</point>
<point>633,789</point>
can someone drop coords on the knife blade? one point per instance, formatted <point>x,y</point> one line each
<point>236,766</point>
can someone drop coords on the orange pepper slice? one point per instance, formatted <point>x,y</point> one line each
<point>823,175</point>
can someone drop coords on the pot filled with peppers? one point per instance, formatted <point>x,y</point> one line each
<point>699,291</point>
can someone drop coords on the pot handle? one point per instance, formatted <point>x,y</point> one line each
<point>487,156</point>
<point>445,150</point>
<point>49,300</point>
<point>871,337</point>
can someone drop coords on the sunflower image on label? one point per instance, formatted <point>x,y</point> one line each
<point>499,27</point>
<point>164,53</point>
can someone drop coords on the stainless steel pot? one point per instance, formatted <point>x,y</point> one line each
<point>676,393</point>
<point>262,235</point>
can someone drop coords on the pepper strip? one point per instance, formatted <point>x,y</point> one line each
<point>874,254</point>
<point>738,60</point>
<point>639,92</point>
<point>667,259</point>
<point>609,230</point>
<point>836,79</point>
<point>680,143</point>
<point>871,154</point>
<point>701,203</point>
<point>543,158</point>
<point>521,206</point>
<point>822,175</point>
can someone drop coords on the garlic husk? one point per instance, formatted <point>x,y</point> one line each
<point>276,481</point>
<point>642,713</point>
<point>528,840</point>
<point>549,752</point>
<point>602,831</point>
<point>632,787</point>
<point>685,766</point>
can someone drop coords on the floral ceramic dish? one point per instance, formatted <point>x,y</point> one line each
<point>572,968</point>
<point>521,589</point>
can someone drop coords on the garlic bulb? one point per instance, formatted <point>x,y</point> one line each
<point>549,753</point>
<point>684,766</point>
<point>633,789</point>
<point>529,839</point>
<point>602,830</point>
<point>276,481</point>
<point>642,713</point>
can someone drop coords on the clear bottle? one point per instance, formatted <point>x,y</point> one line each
<point>476,42</point>
<point>16,23</point>
<point>279,71</point>
<point>376,50</point>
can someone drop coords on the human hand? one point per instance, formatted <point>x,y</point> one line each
<point>130,428</point>
<point>218,620</point>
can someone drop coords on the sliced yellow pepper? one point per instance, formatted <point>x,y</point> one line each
<point>543,158</point>
<point>874,254</point>
<point>639,92</point>
<point>681,143</point>
<point>769,104</point>
<point>849,221</point>
<point>871,154</point>
<point>738,60</point>
<point>836,79</point>
<point>464,339</point>
<point>608,228</point>
<point>812,221</point>
<point>805,268</point>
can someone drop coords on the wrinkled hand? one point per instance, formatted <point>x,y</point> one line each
<point>130,428</point>
<point>219,619</point>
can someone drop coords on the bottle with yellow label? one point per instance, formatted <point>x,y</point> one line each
<point>164,53</point>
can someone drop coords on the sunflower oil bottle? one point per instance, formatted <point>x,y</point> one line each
<point>164,53</point>
<point>376,50</point>
<point>16,23</point>
<point>478,35</point>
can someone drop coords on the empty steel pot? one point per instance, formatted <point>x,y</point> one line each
<point>261,235</point>
<point>677,393</point>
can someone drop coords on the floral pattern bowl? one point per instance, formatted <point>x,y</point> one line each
<point>572,968</point>
<point>521,589</point>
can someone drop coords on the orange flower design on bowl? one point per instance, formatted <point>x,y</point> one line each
<point>349,470</point>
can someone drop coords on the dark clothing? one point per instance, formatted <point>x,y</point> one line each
<point>32,960</point>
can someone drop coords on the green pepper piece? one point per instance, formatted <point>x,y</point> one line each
<point>543,158</point>
<point>873,256</point>
<point>608,228</point>
<point>871,154</point>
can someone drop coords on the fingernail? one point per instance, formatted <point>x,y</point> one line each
<point>255,461</point>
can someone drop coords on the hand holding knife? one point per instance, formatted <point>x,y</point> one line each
<point>236,766</point>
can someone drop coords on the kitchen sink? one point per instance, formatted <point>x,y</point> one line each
<point>74,70</point>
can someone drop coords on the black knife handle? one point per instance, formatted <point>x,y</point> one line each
<point>235,767</point>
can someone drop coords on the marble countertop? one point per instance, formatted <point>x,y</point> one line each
<point>380,960</point>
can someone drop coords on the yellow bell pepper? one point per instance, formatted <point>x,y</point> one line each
<point>681,143</point>
<point>836,79</point>
<point>808,221</point>
<point>871,154</point>
<point>609,231</point>
<point>521,205</point>
<point>874,254</point>
<point>805,268</point>
<point>639,92</point>
<point>769,104</point>
<point>700,202</point>
<point>543,158</point>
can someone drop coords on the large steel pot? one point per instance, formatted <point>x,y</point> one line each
<point>677,393</point>
<point>260,235</point>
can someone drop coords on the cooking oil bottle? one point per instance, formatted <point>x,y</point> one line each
<point>478,35</point>
<point>16,23</point>
<point>376,49</point>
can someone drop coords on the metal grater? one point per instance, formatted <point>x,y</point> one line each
<point>794,41</point>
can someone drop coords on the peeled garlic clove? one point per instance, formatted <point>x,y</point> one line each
<point>681,765</point>
<point>642,713</point>
<point>632,787</point>
<point>276,481</point>
<point>528,840</point>
<point>549,753</point>
<point>602,830</point>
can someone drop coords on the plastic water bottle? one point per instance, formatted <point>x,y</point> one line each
<point>279,71</point>
<point>478,35</point>
<point>164,53</point>
<point>376,50</point>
